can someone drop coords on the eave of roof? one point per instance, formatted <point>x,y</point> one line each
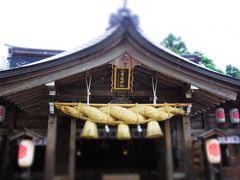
<point>125,30</point>
<point>16,50</point>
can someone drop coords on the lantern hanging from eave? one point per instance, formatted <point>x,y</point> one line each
<point>220,115</point>
<point>213,151</point>
<point>234,115</point>
<point>2,113</point>
<point>26,153</point>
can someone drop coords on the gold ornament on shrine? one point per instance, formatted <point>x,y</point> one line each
<point>122,73</point>
<point>122,79</point>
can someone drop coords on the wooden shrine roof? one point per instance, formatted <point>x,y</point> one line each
<point>25,86</point>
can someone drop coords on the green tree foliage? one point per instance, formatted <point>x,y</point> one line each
<point>232,71</point>
<point>175,44</point>
<point>207,62</point>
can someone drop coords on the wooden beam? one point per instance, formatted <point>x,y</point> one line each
<point>139,79</point>
<point>81,76</point>
<point>169,80</point>
<point>75,92</point>
<point>168,151</point>
<point>27,92</point>
<point>203,103</point>
<point>142,71</point>
<point>210,96</point>
<point>7,132</point>
<point>30,105</point>
<point>206,100</point>
<point>28,100</point>
<point>72,150</point>
<point>199,107</point>
<point>49,171</point>
<point>24,96</point>
<point>187,147</point>
<point>34,110</point>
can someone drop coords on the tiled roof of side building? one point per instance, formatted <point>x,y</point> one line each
<point>19,56</point>
<point>77,49</point>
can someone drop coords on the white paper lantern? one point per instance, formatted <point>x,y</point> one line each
<point>213,151</point>
<point>220,115</point>
<point>234,115</point>
<point>2,113</point>
<point>26,153</point>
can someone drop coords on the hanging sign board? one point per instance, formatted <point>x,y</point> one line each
<point>213,151</point>
<point>2,113</point>
<point>121,79</point>
<point>122,72</point>
<point>234,115</point>
<point>220,115</point>
<point>26,153</point>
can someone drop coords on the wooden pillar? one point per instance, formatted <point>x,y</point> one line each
<point>4,174</point>
<point>51,148</point>
<point>11,116</point>
<point>168,150</point>
<point>50,156</point>
<point>72,150</point>
<point>187,147</point>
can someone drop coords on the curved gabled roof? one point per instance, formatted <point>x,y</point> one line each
<point>126,37</point>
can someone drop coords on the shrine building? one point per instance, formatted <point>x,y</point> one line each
<point>119,107</point>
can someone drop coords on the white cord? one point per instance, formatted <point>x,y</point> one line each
<point>88,84</point>
<point>154,87</point>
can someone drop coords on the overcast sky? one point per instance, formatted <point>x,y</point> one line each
<point>209,26</point>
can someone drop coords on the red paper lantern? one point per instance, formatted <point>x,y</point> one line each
<point>26,153</point>
<point>213,151</point>
<point>2,113</point>
<point>234,115</point>
<point>220,115</point>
